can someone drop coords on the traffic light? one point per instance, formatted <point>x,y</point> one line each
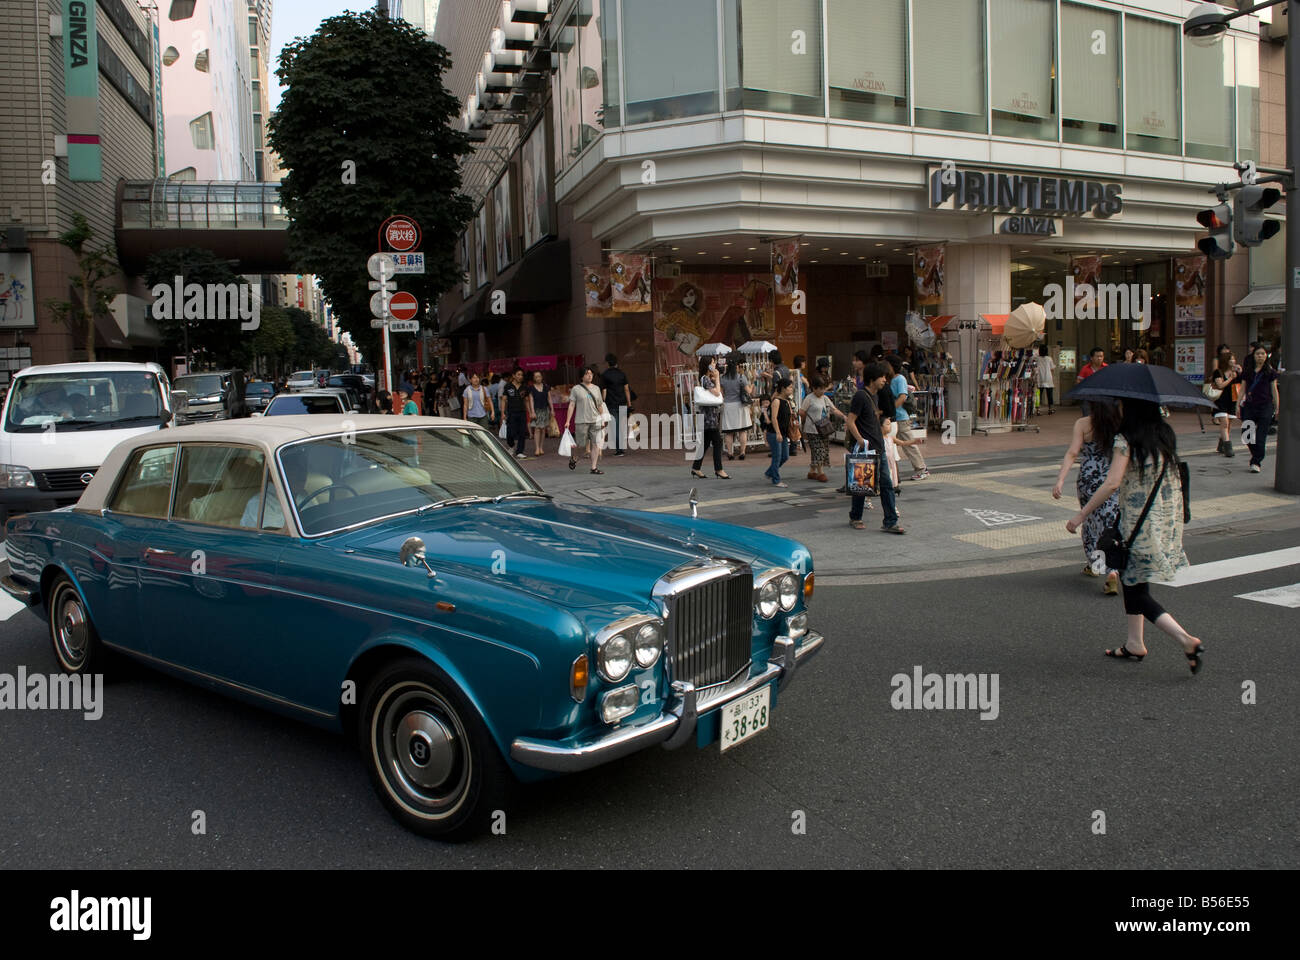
<point>1250,227</point>
<point>1218,220</point>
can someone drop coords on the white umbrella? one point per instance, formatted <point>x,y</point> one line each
<point>713,350</point>
<point>756,346</point>
<point>1025,326</point>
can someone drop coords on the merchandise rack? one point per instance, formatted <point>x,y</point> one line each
<point>1005,391</point>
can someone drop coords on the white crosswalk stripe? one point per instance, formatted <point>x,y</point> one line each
<point>9,606</point>
<point>1278,596</point>
<point>1235,567</point>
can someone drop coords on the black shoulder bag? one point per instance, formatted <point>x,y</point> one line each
<point>1115,548</point>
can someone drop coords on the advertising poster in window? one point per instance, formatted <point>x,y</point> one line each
<point>1189,296</point>
<point>1086,272</point>
<point>481,246</point>
<point>501,220</point>
<point>694,309</point>
<point>629,275</point>
<point>600,295</point>
<point>1189,359</point>
<point>928,269</point>
<point>785,270</point>
<point>16,309</point>
<point>536,188</point>
<point>467,280</point>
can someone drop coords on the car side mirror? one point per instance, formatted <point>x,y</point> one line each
<point>412,555</point>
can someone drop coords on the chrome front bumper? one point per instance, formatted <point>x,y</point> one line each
<point>675,726</point>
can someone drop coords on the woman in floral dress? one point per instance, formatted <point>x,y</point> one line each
<point>1146,454</point>
<point>1091,444</point>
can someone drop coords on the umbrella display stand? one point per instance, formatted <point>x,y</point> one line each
<point>757,370</point>
<point>685,380</point>
<point>1005,392</point>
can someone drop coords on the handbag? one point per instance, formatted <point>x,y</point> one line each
<point>1210,392</point>
<point>706,398</point>
<point>824,427</point>
<point>1113,546</point>
<point>862,472</point>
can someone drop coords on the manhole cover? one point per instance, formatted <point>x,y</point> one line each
<point>605,494</point>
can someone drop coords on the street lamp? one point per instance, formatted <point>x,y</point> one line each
<point>1207,25</point>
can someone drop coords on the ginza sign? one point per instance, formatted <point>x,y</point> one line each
<point>955,189</point>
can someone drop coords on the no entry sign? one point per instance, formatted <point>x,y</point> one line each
<point>403,306</point>
<point>400,234</point>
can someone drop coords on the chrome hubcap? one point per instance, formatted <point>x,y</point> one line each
<point>424,750</point>
<point>71,629</point>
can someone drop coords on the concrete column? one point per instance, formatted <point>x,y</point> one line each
<point>976,280</point>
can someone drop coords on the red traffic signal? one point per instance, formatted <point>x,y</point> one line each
<point>1218,221</point>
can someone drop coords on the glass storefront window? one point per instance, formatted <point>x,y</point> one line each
<point>774,55</point>
<point>867,68</point>
<point>1247,99</point>
<point>1090,76</point>
<point>1023,68</point>
<point>1151,58</point>
<point>1209,87</point>
<point>612,117</point>
<point>670,52</point>
<point>950,76</point>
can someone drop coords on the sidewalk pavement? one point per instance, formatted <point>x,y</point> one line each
<point>988,499</point>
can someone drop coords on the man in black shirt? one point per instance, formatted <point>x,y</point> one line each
<point>516,404</point>
<point>865,428</point>
<point>618,397</point>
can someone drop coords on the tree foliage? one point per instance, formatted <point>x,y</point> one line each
<point>95,269</point>
<point>365,94</point>
<point>216,342</point>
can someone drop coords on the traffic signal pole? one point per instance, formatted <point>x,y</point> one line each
<point>1288,415</point>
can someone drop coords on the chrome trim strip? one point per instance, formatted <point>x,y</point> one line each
<point>783,654</point>
<point>223,682</point>
<point>16,590</point>
<point>686,710</point>
<point>811,646</point>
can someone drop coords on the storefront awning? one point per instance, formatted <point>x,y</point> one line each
<point>1263,300</point>
<point>997,322</point>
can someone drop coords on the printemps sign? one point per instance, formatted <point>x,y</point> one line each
<point>952,188</point>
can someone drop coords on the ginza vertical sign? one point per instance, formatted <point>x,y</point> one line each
<point>81,89</point>
<point>955,189</point>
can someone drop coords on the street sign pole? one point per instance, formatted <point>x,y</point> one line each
<point>1288,416</point>
<point>388,353</point>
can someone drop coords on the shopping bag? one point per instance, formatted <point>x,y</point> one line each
<point>553,428</point>
<point>566,444</point>
<point>504,431</point>
<point>861,468</point>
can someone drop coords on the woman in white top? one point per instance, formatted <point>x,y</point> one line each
<point>816,409</point>
<point>1045,370</point>
<point>587,409</point>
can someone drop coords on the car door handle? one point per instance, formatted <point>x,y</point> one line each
<point>151,551</point>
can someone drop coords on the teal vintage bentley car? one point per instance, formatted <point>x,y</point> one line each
<point>407,582</point>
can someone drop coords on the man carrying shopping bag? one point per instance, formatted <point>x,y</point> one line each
<point>864,426</point>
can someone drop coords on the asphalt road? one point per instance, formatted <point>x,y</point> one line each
<point>1186,774</point>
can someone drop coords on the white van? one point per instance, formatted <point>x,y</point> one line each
<point>60,421</point>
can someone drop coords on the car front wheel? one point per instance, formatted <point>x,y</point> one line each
<point>429,755</point>
<point>76,642</point>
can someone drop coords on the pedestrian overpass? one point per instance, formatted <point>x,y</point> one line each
<point>236,220</point>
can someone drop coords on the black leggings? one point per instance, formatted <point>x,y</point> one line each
<point>1137,601</point>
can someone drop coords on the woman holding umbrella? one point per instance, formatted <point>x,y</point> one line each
<point>1144,471</point>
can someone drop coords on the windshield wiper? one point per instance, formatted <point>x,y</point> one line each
<point>522,493</point>
<point>455,501</point>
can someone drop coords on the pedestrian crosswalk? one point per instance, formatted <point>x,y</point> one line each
<point>1278,596</point>
<point>9,606</point>
<point>1235,567</point>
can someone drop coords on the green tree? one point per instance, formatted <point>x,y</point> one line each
<point>363,131</point>
<point>95,270</point>
<point>274,339</point>
<point>220,343</point>
<point>312,345</point>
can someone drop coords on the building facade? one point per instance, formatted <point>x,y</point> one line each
<point>999,146</point>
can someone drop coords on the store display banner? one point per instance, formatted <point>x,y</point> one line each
<point>81,88</point>
<point>954,189</point>
<point>158,138</point>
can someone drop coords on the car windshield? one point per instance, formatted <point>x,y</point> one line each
<point>287,405</point>
<point>348,480</point>
<point>259,389</point>
<point>94,401</point>
<point>200,385</point>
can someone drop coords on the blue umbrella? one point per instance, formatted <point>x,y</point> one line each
<point>1140,381</point>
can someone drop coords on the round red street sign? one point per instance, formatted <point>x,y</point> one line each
<point>403,306</point>
<point>401,234</point>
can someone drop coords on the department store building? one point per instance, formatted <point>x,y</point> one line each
<point>1021,136</point>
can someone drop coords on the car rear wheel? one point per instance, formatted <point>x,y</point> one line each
<point>429,755</point>
<point>76,642</point>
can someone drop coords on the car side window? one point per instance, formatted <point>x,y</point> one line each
<point>146,486</point>
<point>220,485</point>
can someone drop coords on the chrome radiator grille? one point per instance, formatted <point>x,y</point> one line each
<point>709,629</point>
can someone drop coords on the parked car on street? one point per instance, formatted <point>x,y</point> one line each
<point>302,380</point>
<point>308,402</point>
<point>357,385</point>
<point>205,396</point>
<point>414,587</point>
<point>60,421</point>
<point>258,394</point>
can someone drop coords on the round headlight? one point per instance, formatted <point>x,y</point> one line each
<point>615,658</point>
<point>649,641</point>
<point>789,588</point>
<point>768,600</point>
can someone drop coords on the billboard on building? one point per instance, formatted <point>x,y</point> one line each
<point>467,278</point>
<point>501,220</point>
<point>1189,295</point>
<point>16,306</point>
<point>480,246</point>
<point>600,294</point>
<point>535,187</point>
<point>785,270</point>
<point>81,89</point>
<point>927,266</point>
<point>629,276</point>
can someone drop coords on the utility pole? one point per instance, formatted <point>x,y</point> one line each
<point>1288,416</point>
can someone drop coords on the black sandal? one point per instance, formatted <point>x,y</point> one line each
<point>1194,658</point>
<point>1122,653</point>
<point>573,464</point>
<point>594,470</point>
